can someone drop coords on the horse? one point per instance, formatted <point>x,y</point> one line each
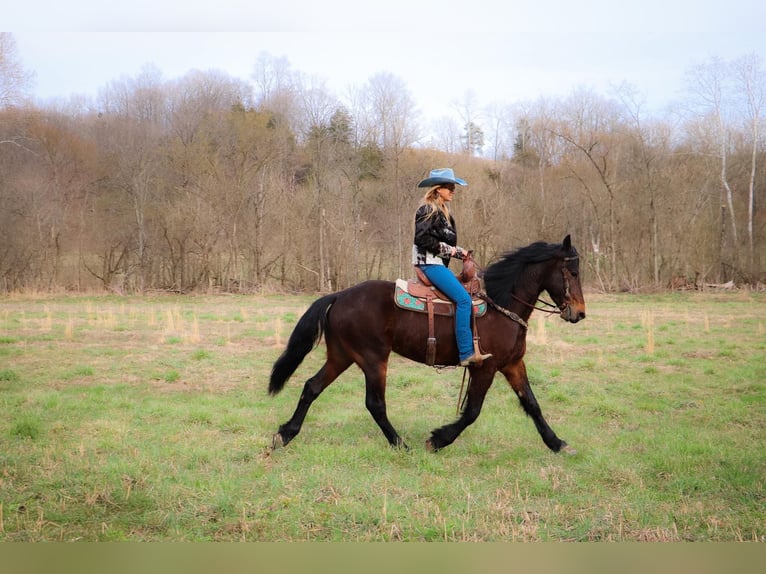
<point>362,325</point>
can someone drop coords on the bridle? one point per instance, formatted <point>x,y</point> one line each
<point>567,274</point>
<point>550,308</point>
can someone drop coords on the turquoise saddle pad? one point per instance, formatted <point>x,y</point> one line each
<point>408,301</point>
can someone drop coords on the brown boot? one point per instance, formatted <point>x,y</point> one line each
<point>475,359</point>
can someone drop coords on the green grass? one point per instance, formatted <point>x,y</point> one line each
<point>148,419</point>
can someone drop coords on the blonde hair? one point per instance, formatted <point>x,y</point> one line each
<point>431,199</point>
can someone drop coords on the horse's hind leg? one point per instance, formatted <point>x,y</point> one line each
<point>311,390</point>
<point>375,401</point>
<point>517,378</point>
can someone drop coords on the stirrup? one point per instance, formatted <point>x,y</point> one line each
<point>475,359</point>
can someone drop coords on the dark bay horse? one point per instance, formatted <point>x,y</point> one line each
<point>363,325</point>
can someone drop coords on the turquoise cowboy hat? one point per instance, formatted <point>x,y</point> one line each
<point>441,175</point>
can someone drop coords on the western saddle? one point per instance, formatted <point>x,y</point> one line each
<point>419,294</point>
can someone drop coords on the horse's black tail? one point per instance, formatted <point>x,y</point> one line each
<point>304,337</point>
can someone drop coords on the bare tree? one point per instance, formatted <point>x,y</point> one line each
<point>15,81</point>
<point>586,123</point>
<point>276,86</point>
<point>500,133</point>
<point>710,85</point>
<point>538,145</point>
<point>447,135</point>
<point>751,78</point>
<point>317,110</point>
<point>651,143</point>
<point>473,135</point>
<point>391,124</point>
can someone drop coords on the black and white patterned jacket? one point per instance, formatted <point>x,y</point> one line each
<point>434,238</point>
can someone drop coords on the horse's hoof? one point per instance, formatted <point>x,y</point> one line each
<point>566,449</point>
<point>277,441</point>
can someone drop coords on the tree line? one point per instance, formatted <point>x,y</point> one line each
<point>210,182</point>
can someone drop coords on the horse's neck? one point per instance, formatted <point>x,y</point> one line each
<point>523,300</point>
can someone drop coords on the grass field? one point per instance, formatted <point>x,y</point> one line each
<point>148,419</point>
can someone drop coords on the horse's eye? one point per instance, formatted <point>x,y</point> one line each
<point>574,273</point>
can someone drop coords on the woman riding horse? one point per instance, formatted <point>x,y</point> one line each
<point>362,325</point>
<point>435,243</point>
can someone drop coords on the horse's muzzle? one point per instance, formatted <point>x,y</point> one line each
<point>572,315</point>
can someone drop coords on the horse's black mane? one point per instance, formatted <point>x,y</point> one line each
<point>502,276</point>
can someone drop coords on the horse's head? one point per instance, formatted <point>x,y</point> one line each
<point>562,282</point>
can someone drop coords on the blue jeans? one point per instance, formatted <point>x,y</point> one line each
<point>446,282</point>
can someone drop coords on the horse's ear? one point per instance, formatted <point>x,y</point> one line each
<point>567,244</point>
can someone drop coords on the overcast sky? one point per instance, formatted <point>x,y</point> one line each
<point>504,51</point>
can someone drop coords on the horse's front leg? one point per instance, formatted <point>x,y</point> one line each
<point>481,380</point>
<point>516,374</point>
